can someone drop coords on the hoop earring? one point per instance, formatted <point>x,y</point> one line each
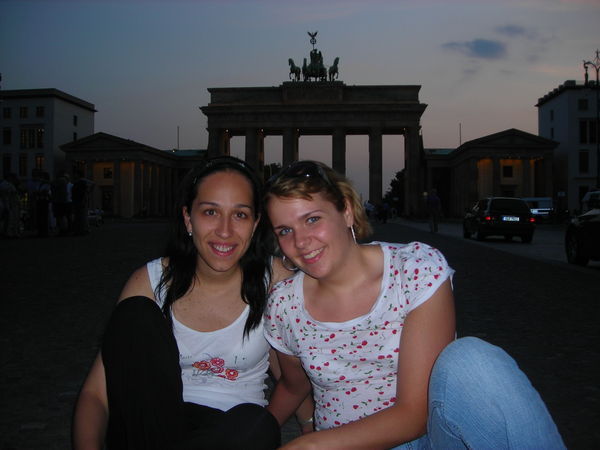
<point>353,233</point>
<point>291,269</point>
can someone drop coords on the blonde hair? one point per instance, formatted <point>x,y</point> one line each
<point>334,186</point>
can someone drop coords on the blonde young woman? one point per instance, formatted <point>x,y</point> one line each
<point>371,329</point>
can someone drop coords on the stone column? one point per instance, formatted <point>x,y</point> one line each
<point>290,146</point>
<point>526,190</point>
<point>338,150</point>
<point>255,151</point>
<point>146,199</point>
<point>375,165</point>
<point>162,191</point>
<point>154,185</point>
<point>218,142</point>
<point>496,176</point>
<point>473,193</point>
<point>169,192</point>
<point>117,187</point>
<point>412,185</point>
<point>548,185</point>
<point>137,188</point>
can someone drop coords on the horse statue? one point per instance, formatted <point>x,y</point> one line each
<point>294,70</point>
<point>333,70</point>
<point>304,70</point>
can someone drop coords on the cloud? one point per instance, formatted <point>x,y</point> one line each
<point>516,31</point>
<point>478,48</point>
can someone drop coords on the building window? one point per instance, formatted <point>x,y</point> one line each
<point>507,171</point>
<point>107,173</point>
<point>552,133</point>
<point>7,136</point>
<point>582,104</point>
<point>39,111</point>
<point>6,164</point>
<point>23,165</point>
<point>32,137</point>
<point>74,136</point>
<point>6,113</point>
<point>39,161</point>
<point>75,121</point>
<point>587,131</point>
<point>39,137</point>
<point>23,112</point>
<point>551,115</point>
<point>584,161</point>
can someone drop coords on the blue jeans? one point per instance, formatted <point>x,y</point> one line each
<point>480,399</point>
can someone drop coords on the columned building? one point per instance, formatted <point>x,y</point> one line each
<point>130,179</point>
<point>511,163</point>
<point>321,108</point>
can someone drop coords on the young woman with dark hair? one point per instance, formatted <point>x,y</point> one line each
<point>184,360</point>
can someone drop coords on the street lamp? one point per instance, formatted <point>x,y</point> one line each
<point>595,64</point>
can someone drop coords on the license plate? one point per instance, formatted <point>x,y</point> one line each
<point>510,218</point>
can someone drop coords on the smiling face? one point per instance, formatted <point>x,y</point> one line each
<point>221,220</point>
<point>313,234</point>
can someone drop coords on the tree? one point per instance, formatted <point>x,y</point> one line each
<point>394,196</point>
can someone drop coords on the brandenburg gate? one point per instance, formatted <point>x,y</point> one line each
<point>321,106</point>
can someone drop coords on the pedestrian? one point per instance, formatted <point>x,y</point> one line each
<point>60,202</point>
<point>434,210</point>
<point>42,197</point>
<point>371,329</point>
<point>10,210</point>
<point>184,358</point>
<point>80,203</point>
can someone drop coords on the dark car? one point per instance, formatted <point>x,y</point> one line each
<point>499,216</point>
<point>582,238</point>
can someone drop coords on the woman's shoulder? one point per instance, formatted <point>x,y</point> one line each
<point>140,282</point>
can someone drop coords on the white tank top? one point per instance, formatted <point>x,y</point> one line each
<point>219,368</point>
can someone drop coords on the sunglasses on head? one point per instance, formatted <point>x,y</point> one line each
<point>301,170</point>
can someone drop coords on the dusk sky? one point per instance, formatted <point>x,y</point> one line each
<point>146,65</point>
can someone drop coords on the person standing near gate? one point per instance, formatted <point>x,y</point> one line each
<point>434,210</point>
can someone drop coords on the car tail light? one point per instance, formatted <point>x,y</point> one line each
<point>532,220</point>
<point>489,218</point>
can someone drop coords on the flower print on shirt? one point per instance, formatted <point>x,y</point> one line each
<point>353,365</point>
<point>213,367</point>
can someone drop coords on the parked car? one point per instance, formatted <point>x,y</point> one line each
<point>542,208</point>
<point>499,216</point>
<point>582,238</point>
<point>591,200</point>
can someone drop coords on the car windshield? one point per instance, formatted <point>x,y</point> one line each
<point>511,205</point>
<point>540,203</point>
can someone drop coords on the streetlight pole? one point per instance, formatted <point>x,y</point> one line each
<point>595,64</point>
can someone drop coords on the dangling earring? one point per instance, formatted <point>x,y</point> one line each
<point>353,234</point>
<point>189,233</point>
<point>292,269</point>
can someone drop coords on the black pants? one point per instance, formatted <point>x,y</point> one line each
<point>144,387</point>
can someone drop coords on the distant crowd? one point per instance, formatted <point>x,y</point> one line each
<point>44,207</point>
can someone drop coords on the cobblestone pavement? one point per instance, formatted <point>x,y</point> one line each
<point>57,294</point>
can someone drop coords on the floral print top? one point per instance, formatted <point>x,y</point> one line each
<point>220,368</point>
<point>353,365</point>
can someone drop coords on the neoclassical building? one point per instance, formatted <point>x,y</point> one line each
<point>321,108</point>
<point>511,163</point>
<point>131,179</point>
